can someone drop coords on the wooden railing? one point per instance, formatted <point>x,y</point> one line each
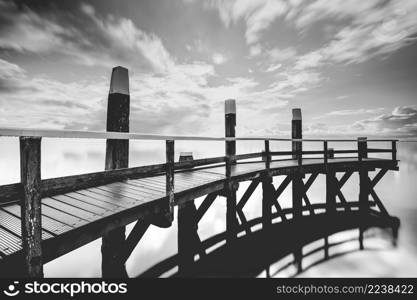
<point>29,192</point>
<point>12,192</point>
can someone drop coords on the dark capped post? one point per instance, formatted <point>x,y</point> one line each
<point>117,157</point>
<point>296,132</point>
<point>297,179</point>
<point>230,131</point>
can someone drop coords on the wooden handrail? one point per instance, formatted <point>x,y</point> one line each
<point>78,134</point>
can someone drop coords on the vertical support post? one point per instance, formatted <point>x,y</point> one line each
<point>30,205</point>
<point>267,155</point>
<point>331,191</point>
<point>297,179</point>
<point>267,194</point>
<point>187,229</point>
<point>230,131</point>
<point>267,191</point>
<point>169,180</point>
<point>117,156</point>
<point>363,187</point>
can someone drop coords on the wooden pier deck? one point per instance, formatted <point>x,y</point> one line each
<point>71,219</point>
<point>42,219</point>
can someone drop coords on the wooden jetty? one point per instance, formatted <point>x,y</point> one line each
<point>42,219</point>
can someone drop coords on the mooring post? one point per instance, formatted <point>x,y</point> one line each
<point>296,132</point>
<point>230,132</point>
<point>117,157</point>
<point>297,178</point>
<point>363,187</point>
<point>267,190</point>
<point>30,205</point>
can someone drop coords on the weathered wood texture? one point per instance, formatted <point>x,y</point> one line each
<point>30,174</point>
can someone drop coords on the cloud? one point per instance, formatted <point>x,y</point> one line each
<point>257,14</point>
<point>401,122</point>
<point>351,112</point>
<point>273,68</point>
<point>219,58</point>
<point>277,54</point>
<point>373,28</point>
<point>45,102</point>
<point>255,50</point>
<point>90,40</point>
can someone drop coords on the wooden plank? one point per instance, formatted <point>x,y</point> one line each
<point>143,185</point>
<point>62,217</point>
<point>107,205</point>
<point>94,209</point>
<point>69,209</point>
<point>116,198</point>
<point>13,224</point>
<point>138,190</point>
<point>102,196</point>
<point>179,182</point>
<point>9,243</point>
<point>120,191</point>
<point>48,224</point>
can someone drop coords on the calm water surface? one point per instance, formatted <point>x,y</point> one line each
<point>397,190</point>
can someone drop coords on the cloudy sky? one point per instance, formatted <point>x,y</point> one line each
<point>351,65</point>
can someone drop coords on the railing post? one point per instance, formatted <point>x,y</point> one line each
<point>330,181</point>
<point>230,189</point>
<point>394,150</point>
<point>362,148</point>
<point>30,205</point>
<point>117,157</point>
<point>267,155</point>
<point>363,187</point>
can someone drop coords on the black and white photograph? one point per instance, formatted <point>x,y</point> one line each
<point>210,139</point>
